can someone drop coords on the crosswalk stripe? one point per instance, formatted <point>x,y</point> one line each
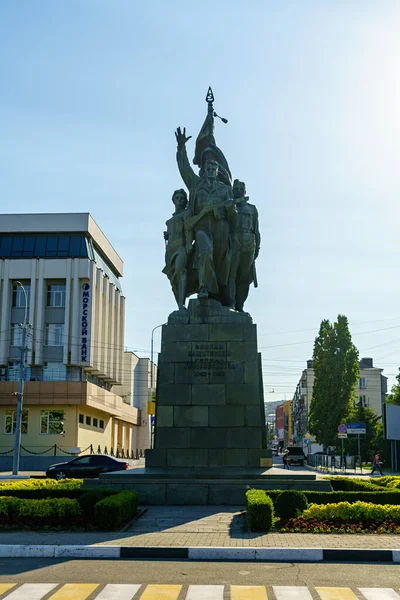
<point>74,591</point>
<point>336,593</point>
<point>248,592</point>
<point>205,592</point>
<point>161,592</point>
<point>33,591</point>
<point>379,594</point>
<point>118,591</point>
<point>291,593</point>
<point>4,587</point>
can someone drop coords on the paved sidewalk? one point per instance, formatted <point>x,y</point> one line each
<point>201,526</point>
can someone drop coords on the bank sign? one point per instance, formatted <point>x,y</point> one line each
<point>85,321</point>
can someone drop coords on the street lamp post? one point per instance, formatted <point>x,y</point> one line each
<point>151,355</point>
<point>152,374</point>
<point>22,350</point>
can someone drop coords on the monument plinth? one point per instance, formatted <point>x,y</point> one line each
<point>210,407</point>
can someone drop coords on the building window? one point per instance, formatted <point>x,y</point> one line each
<point>95,422</point>
<point>51,422</point>
<point>10,422</point>
<point>56,295</point>
<point>88,420</point>
<point>363,382</point>
<point>101,424</point>
<point>18,296</point>
<point>54,334</point>
<point>81,419</point>
<point>16,335</point>
<point>54,371</point>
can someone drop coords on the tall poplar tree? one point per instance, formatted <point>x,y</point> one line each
<point>336,372</point>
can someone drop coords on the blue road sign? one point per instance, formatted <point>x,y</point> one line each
<point>356,428</point>
<point>342,428</point>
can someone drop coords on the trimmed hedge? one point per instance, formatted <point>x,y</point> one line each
<point>114,511</point>
<point>65,484</point>
<point>260,510</point>
<point>385,497</point>
<point>359,511</point>
<point>43,488</point>
<point>88,499</point>
<point>54,512</point>
<point>385,481</point>
<point>291,502</point>
<point>346,484</point>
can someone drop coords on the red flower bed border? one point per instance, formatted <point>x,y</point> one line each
<point>301,525</point>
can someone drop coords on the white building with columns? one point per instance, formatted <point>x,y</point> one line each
<point>76,311</point>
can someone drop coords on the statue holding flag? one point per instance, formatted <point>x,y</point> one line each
<point>211,223</point>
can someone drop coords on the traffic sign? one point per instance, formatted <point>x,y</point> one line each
<point>308,441</point>
<point>342,435</point>
<point>308,436</point>
<point>342,428</point>
<point>356,428</point>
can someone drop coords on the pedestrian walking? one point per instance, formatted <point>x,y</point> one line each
<point>376,464</point>
<point>286,460</point>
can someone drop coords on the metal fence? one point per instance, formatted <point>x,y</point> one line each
<point>55,450</point>
<point>333,464</point>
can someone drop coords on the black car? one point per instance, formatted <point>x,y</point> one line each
<point>86,466</point>
<point>296,455</point>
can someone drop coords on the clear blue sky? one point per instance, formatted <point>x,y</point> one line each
<point>91,92</point>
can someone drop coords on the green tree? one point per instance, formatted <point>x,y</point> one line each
<point>336,372</point>
<point>373,439</point>
<point>394,396</point>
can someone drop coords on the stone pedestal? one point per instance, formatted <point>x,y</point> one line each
<point>210,405</point>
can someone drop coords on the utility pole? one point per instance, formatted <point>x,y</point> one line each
<point>20,395</point>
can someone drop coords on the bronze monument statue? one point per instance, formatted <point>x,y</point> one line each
<point>176,249</point>
<point>247,246</point>
<point>212,242</point>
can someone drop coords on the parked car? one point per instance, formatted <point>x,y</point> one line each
<point>296,455</point>
<point>86,466</point>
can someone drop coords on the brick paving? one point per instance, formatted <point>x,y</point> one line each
<point>211,526</point>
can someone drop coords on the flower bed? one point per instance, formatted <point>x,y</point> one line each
<point>343,517</point>
<point>302,525</point>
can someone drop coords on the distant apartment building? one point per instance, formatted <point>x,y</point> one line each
<point>283,420</point>
<point>371,391</point>
<point>76,368</point>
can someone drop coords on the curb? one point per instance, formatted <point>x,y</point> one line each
<point>295,555</point>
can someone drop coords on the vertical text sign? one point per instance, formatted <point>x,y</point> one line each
<point>85,321</point>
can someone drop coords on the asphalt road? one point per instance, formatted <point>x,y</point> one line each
<point>200,573</point>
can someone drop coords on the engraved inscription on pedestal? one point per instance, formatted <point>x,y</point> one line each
<point>209,409</point>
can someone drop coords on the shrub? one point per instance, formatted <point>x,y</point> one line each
<point>290,502</point>
<point>66,484</point>
<point>90,498</point>
<point>42,488</point>
<point>387,496</point>
<point>359,511</point>
<point>393,485</point>
<point>49,512</point>
<point>114,511</point>
<point>346,484</point>
<point>260,510</point>
<point>385,481</point>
